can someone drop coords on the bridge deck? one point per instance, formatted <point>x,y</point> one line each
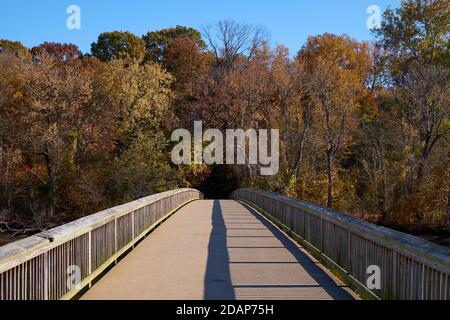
<point>218,250</point>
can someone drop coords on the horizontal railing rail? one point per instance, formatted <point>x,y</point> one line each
<point>59,263</point>
<point>409,267</point>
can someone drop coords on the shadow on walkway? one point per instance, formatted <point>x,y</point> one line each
<point>218,284</point>
<point>324,281</point>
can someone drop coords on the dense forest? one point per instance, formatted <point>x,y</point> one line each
<point>364,126</point>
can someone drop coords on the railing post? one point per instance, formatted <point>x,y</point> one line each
<point>90,255</point>
<point>132,228</point>
<point>115,239</point>
<point>349,251</point>
<point>394,274</point>
<point>321,234</point>
<point>46,269</point>
<point>132,224</point>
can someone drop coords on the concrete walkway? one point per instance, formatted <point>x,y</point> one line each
<point>217,250</point>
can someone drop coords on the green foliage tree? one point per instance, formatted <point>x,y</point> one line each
<point>142,169</point>
<point>118,45</point>
<point>416,31</point>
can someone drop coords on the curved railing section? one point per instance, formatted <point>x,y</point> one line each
<point>409,267</point>
<point>59,263</point>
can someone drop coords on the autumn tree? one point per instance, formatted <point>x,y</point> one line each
<point>157,42</point>
<point>336,68</point>
<point>363,127</point>
<point>415,38</point>
<point>53,100</point>
<point>294,116</point>
<point>140,97</point>
<point>78,124</point>
<point>11,156</point>
<point>15,48</point>
<point>230,40</point>
<point>424,102</point>
<point>57,51</point>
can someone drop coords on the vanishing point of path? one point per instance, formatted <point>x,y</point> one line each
<point>217,250</point>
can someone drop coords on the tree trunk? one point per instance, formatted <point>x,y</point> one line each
<point>330,180</point>
<point>422,163</point>
<point>51,186</point>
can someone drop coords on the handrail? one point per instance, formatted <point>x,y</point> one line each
<point>59,263</point>
<point>410,267</point>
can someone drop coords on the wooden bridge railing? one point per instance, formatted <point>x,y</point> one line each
<point>58,263</point>
<point>410,268</point>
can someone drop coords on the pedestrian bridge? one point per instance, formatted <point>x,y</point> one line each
<point>259,245</point>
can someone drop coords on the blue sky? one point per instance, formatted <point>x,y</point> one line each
<point>288,21</point>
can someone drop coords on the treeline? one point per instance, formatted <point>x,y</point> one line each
<point>364,127</point>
